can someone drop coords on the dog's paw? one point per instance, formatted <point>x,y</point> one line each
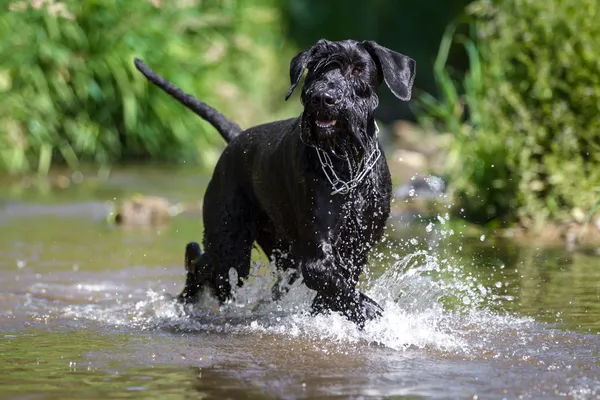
<point>359,309</point>
<point>369,308</point>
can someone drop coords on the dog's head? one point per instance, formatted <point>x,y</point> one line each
<point>340,89</point>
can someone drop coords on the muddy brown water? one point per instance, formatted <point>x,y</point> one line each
<point>85,312</point>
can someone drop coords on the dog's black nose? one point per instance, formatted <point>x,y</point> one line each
<point>326,98</point>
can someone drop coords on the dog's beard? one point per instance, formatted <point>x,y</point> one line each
<point>348,154</point>
<point>348,138</point>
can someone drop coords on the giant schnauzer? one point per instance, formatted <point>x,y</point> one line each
<point>312,191</point>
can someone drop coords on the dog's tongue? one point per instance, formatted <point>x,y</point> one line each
<point>326,123</point>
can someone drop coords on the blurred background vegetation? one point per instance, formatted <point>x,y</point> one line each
<point>70,93</point>
<point>514,83</point>
<point>524,116</point>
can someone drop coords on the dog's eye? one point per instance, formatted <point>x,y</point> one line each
<point>356,71</point>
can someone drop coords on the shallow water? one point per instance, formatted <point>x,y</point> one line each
<point>85,312</point>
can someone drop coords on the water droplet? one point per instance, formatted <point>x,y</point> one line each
<point>21,264</point>
<point>429,227</point>
<point>498,284</point>
<point>482,238</point>
<point>466,300</point>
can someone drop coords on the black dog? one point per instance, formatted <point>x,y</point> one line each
<point>313,191</point>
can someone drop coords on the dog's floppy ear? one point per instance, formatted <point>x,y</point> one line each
<point>299,64</point>
<point>297,67</point>
<point>398,70</point>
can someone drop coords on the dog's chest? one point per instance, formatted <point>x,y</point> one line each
<point>359,213</point>
<point>355,218</point>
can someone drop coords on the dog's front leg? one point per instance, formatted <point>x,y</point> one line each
<point>336,292</point>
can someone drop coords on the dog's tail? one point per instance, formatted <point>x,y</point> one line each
<point>226,127</point>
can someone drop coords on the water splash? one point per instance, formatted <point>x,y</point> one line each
<point>430,301</point>
<point>413,291</point>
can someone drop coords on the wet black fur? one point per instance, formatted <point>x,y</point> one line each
<point>268,186</point>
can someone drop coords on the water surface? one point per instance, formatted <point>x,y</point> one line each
<point>85,312</point>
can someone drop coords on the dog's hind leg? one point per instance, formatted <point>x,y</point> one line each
<point>229,232</point>
<point>193,279</point>
<point>230,249</point>
<point>279,251</point>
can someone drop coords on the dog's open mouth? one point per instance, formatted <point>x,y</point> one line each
<point>325,123</point>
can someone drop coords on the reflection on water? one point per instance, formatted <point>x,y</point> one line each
<point>85,312</point>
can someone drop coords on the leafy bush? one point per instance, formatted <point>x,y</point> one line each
<point>69,91</point>
<point>525,116</point>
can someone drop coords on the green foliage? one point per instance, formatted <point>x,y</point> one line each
<point>69,91</point>
<point>527,148</point>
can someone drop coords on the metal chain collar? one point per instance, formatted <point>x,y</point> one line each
<point>356,175</point>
